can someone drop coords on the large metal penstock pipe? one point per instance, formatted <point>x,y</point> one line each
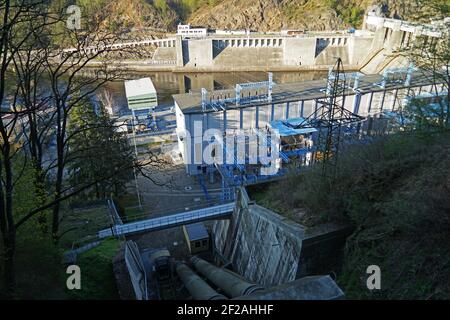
<point>233,285</point>
<point>196,286</point>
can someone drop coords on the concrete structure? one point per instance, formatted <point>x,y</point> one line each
<point>197,237</point>
<point>308,288</point>
<point>435,29</point>
<point>136,270</point>
<point>367,95</point>
<point>141,94</point>
<point>270,52</point>
<point>261,246</point>
<point>165,222</point>
<point>269,249</point>
<point>186,30</point>
<point>372,49</point>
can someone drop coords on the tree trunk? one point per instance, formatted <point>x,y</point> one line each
<point>9,275</point>
<point>56,207</point>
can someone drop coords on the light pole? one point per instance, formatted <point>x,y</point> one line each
<point>135,151</point>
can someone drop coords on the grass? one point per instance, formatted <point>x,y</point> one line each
<point>97,277</point>
<point>395,192</point>
<point>135,213</point>
<point>83,224</point>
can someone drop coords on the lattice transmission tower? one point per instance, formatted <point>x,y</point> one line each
<point>330,117</point>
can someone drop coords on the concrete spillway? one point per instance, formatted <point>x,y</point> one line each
<point>198,288</point>
<point>233,285</point>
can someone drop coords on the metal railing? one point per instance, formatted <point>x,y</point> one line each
<point>169,221</point>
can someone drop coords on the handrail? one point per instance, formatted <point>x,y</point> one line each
<point>169,221</point>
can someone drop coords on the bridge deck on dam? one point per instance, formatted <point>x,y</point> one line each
<point>169,221</point>
<point>296,91</point>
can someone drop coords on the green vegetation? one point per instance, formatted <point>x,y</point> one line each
<point>97,277</point>
<point>82,224</point>
<point>94,134</point>
<point>395,193</point>
<point>128,206</point>
<point>351,13</point>
<point>38,261</point>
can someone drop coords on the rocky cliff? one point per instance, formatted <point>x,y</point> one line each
<point>262,15</point>
<point>266,15</point>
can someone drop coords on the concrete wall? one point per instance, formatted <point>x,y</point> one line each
<point>288,53</point>
<point>179,51</point>
<point>323,249</point>
<point>328,56</point>
<point>269,249</point>
<point>198,53</point>
<point>235,58</point>
<point>358,49</point>
<point>262,246</point>
<point>299,51</point>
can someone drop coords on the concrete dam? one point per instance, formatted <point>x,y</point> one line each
<point>372,49</point>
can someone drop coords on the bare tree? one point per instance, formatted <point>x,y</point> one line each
<point>45,61</point>
<point>431,56</point>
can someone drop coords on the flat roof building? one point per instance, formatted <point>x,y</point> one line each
<point>141,94</point>
<point>188,31</point>
<point>365,95</point>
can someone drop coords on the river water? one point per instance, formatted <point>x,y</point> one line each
<point>168,83</point>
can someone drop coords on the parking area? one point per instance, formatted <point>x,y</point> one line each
<point>165,188</point>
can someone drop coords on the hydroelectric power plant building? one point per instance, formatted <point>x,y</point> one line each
<point>257,107</point>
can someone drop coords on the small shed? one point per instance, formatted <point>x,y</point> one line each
<point>197,237</point>
<point>141,94</point>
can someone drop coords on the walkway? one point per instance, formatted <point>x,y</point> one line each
<point>169,221</point>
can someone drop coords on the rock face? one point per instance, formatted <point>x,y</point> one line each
<point>261,15</point>
<point>138,13</point>
<point>272,15</point>
<point>266,15</point>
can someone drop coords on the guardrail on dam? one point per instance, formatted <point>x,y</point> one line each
<point>281,52</point>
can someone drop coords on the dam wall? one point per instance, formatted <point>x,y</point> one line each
<point>282,53</point>
<point>381,38</point>
<point>315,51</point>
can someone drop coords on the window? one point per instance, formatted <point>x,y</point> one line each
<point>204,243</point>
<point>197,244</point>
<point>198,153</point>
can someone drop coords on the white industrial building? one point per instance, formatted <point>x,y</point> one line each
<point>250,107</point>
<point>186,30</point>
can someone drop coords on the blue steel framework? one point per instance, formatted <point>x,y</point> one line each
<point>332,120</point>
<point>236,173</point>
<point>330,117</point>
